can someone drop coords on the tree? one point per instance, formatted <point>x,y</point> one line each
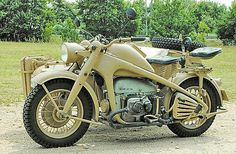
<point>211,13</point>
<point>170,18</point>
<point>200,34</point>
<point>62,9</point>
<point>140,7</point>
<point>227,31</point>
<point>58,20</point>
<point>105,17</point>
<point>21,20</point>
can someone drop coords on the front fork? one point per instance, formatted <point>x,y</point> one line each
<point>83,75</point>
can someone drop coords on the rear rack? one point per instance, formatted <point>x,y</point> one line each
<point>28,65</point>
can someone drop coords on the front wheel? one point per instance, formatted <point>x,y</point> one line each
<point>45,125</point>
<point>197,126</point>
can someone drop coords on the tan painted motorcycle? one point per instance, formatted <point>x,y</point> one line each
<point>121,85</point>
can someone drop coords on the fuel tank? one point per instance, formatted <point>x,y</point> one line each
<point>129,54</point>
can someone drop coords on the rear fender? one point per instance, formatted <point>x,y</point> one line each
<point>182,77</point>
<point>63,74</point>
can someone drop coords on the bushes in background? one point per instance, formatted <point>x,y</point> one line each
<point>47,20</point>
<point>227,31</point>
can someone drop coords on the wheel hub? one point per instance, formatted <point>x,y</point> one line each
<point>57,116</point>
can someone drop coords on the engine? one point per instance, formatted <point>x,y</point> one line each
<point>137,95</point>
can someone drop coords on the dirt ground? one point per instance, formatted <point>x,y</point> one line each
<point>220,138</point>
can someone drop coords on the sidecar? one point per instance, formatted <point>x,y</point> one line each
<point>31,66</point>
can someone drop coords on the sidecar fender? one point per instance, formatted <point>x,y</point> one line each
<point>44,77</point>
<point>181,77</point>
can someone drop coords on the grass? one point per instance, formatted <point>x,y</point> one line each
<point>224,66</point>
<point>10,55</point>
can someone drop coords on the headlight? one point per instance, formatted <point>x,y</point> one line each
<point>64,53</point>
<point>69,52</point>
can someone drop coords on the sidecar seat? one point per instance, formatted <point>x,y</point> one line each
<point>151,52</point>
<point>163,60</point>
<point>206,52</point>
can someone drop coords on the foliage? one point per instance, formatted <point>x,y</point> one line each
<point>211,13</point>
<point>66,30</point>
<point>201,33</point>
<point>21,20</point>
<point>34,20</point>
<point>41,20</point>
<point>62,10</point>
<point>105,17</point>
<point>58,21</point>
<point>170,18</point>
<point>227,32</point>
<point>140,7</point>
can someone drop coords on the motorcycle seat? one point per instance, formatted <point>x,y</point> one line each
<point>163,60</point>
<point>206,52</point>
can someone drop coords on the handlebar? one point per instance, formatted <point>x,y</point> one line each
<point>138,39</point>
<point>119,40</point>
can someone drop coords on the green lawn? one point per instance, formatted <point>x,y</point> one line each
<point>224,66</point>
<point>11,54</point>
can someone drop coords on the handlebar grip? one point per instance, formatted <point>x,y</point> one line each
<point>138,39</point>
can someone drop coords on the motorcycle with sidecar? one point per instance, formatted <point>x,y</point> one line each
<point>120,84</point>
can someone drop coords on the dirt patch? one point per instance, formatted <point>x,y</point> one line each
<point>221,137</point>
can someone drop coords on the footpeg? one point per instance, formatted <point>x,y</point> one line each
<point>151,119</point>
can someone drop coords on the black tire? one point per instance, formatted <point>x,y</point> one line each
<point>174,44</point>
<point>29,115</point>
<point>182,131</point>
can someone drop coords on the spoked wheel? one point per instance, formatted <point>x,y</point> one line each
<point>43,122</point>
<point>51,122</point>
<point>196,126</point>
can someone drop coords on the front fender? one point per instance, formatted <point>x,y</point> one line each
<point>44,77</point>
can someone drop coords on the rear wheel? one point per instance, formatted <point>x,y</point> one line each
<point>44,124</point>
<point>197,126</point>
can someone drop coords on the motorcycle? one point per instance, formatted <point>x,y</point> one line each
<point>119,84</point>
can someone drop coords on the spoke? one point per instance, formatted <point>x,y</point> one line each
<point>63,128</point>
<point>46,111</point>
<point>50,96</point>
<point>59,97</point>
<point>51,104</point>
<point>67,95</point>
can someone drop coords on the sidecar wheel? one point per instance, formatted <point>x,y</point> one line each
<point>43,123</point>
<point>196,127</point>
